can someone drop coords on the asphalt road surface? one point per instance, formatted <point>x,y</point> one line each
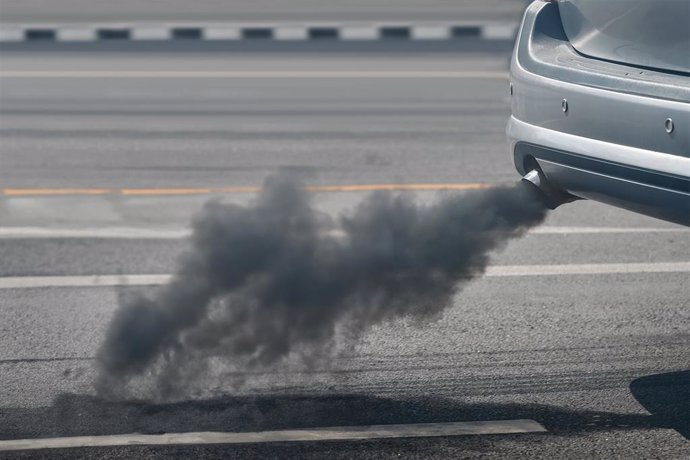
<point>105,158</point>
<point>80,11</point>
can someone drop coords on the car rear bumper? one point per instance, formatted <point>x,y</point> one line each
<point>583,167</point>
<point>599,129</point>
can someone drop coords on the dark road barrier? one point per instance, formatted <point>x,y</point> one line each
<point>250,32</point>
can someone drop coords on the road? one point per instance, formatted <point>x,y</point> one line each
<point>337,11</point>
<point>105,158</point>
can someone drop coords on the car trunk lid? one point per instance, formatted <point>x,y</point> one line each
<point>646,33</point>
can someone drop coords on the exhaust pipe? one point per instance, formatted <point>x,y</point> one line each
<point>545,192</point>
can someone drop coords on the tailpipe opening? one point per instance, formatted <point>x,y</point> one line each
<point>551,196</point>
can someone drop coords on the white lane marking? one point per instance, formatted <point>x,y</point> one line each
<point>346,433</point>
<point>288,33</point>
<point>151,33</point>
<point>356,33</point>
<point>135,233</point>
<point>268,74</point>
<point>499,32</point>
<point>586,269</point>
<point>497,271</point>
<point>14,34</point>
<point>168,233</point>
<point>76,34</point>
<point>430,33</point>
<point>554,230</point>
<point>25,282</point>
<point>221,32</point>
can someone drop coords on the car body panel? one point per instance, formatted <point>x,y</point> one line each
<point>567,162</point>
<point>608,141</point>
<point>647,33</point>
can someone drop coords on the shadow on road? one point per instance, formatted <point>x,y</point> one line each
<point>667,398</point>
<point>74,415</point>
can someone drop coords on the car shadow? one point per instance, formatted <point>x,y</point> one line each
<point>667,398</point>
<point>81,415</point>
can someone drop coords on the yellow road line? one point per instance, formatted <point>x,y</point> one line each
<point>54,191</point>
<point>163,191</point>
<point>268,74</point>
<point>19,192</point>
<point>394,187</point>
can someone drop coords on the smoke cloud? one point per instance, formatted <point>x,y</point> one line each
<point>278,277</point>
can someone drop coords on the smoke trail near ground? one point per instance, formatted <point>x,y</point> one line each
<point>263,281</point>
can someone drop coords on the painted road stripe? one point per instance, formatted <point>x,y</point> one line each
<point>553,230</point>
<point>277,74</point>
<point>54,191</point>
<point>498,271</point>
<point>19,192</point>
<point>347,433</point>
<point>25,282</point>
<point>169,233</point>
<point>126,233</point>
<point>586,269</point>
<point>337,32</point>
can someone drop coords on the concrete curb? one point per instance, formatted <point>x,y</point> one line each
<point>65,33</point>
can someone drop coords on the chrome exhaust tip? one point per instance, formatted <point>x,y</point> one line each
<point>551,197</point>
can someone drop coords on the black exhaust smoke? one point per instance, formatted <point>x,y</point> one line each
<point>277,277</point>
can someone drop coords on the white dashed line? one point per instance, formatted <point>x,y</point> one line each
<point>348,433</point>
<point>498,271</point>
<point>248,32</point>
<point>549,230</point>
<point>499,32</point>
<point>166,233</point>
<point>135,233</point>
<point>430,33</point>
<point>151,33</point>
<point>290,33</point>
<point>359,33</point>
<point>26,282</point>
<point>76,34</point>
<point>11,35</point>
<point>222,33</point>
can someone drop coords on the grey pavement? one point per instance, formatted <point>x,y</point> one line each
<point>333,11</point>
<point>600,360</point>
<point>147,132</point>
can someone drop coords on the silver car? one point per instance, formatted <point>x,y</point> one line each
<point>601,103</point>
